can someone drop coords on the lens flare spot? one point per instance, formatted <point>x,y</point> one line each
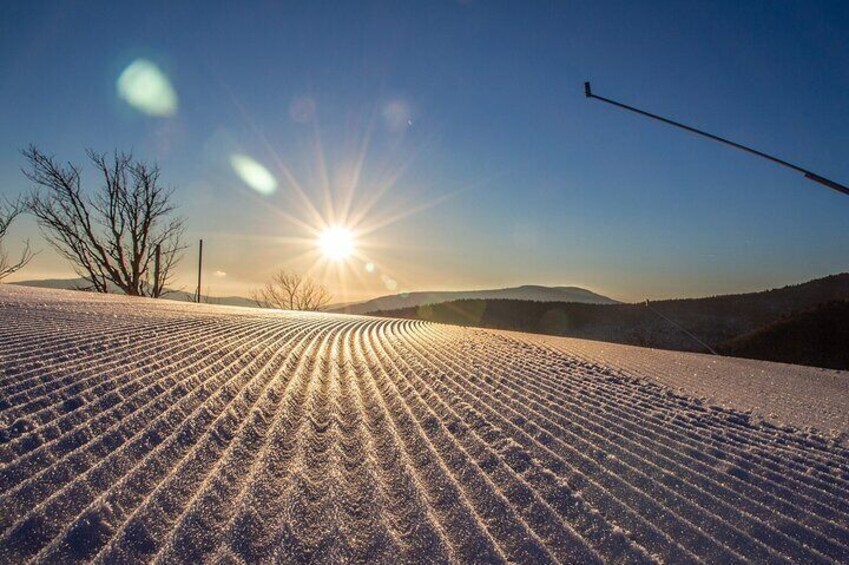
<point>336,243</point>
<point>370,267</point>
<point>253,174</point>
<point>147,89</point>
<point>389,282</point>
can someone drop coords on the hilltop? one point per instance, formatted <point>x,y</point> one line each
<point>715,320</point>
<point>525,292</point>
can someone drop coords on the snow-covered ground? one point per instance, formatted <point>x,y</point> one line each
<point>789,395</point>
<point>138,430</point>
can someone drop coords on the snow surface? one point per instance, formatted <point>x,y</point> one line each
<point>138,430</point>
<point>792,395</point>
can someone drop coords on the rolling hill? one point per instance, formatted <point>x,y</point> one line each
<point>715,320</point>
<point>136,430</point>
<point>526,292</point>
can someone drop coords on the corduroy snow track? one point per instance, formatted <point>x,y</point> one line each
<point>152,431</point>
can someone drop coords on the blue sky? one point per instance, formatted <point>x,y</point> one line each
<point>499,171</point>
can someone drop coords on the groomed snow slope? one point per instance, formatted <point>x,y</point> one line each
<point>802,397</point>
<point>135,430</point>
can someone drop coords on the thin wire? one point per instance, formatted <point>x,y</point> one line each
<point>680,327</point>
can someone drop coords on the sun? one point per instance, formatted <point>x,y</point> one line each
<point>336,243</point>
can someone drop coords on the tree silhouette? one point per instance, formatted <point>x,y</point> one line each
<point>291,291</point>
<point>8,212</point>
<point>110,236</point>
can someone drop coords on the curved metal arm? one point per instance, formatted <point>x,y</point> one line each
<point>808,174</point>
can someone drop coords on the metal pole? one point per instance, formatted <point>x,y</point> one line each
<point>200,268</point>
<point>157,289</point>
<point>808,174</point>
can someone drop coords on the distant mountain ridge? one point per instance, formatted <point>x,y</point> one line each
<point>535,293</point>
<point>525,292</point>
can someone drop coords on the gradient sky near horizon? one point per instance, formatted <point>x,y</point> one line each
<point>458,133</point>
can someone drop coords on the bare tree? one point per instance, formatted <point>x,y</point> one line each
<point>112,236</point>
<point>8,212</point>
<point>291,291</point>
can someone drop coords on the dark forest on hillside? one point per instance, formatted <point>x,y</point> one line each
<point>716,320</point>
<point>818,337</point>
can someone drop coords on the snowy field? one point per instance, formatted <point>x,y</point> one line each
<point>134,430</point>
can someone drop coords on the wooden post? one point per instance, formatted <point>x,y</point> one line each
<point>200,269</point>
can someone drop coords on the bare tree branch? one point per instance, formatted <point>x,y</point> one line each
<point>8,212</point>
<point>110,237</point>
<point>291,291</point>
